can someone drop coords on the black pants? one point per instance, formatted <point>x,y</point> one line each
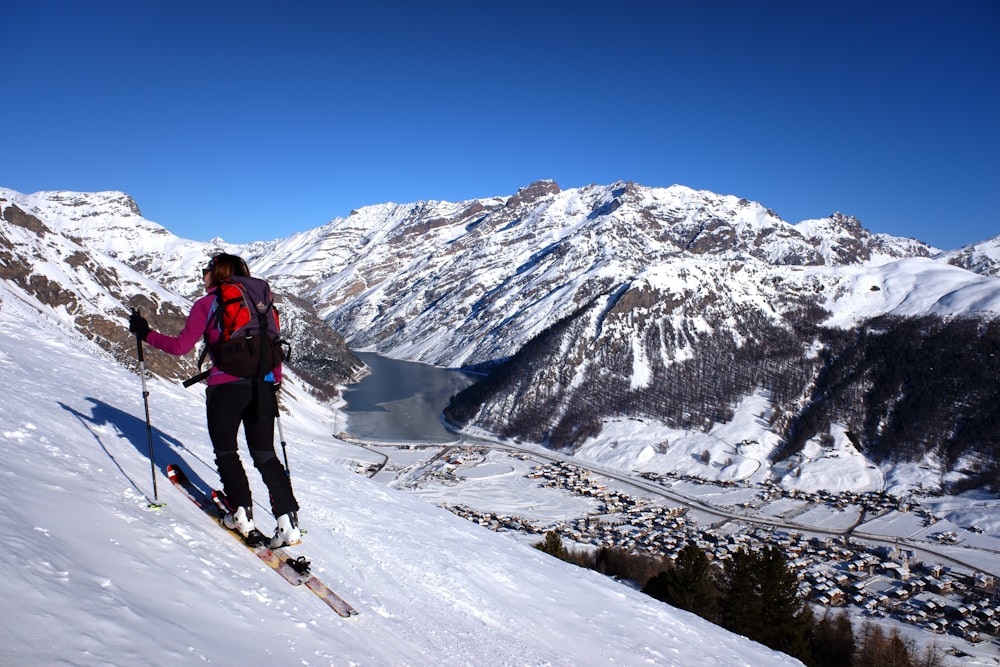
<point>230,405</point>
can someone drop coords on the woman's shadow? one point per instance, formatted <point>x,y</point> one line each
<point>150,441</point>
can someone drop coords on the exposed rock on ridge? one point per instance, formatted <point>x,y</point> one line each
<point>664,304</point>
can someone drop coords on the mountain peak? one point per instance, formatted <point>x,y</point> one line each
<point>533,192</point>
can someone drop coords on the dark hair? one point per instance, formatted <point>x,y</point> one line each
<point>223,265</point>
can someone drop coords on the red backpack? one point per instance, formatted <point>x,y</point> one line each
<point>249,343</point>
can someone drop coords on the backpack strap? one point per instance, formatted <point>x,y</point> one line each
<point>214,315</point>
<point>196,379</point>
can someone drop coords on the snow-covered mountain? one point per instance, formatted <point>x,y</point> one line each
<point>667,306</point>
<point>94,577</point>
<point>983,257</point>
<point>90,258</point>
<point>622,320</point>
<point>491,274</point>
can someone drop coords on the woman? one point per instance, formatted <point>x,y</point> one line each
<point>231,401</point>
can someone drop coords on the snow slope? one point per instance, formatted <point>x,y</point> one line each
<point>93,577</point>
<point>911,287</point>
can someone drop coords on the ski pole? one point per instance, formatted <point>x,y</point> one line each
<point>281,436</point>
<point>149,426</point>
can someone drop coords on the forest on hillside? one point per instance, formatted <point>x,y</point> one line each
<point>903,387</point>
<point>754,594</point>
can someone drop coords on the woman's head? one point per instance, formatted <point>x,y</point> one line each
<point>221,267</point>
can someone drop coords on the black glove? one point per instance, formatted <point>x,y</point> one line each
<point>138,325</point>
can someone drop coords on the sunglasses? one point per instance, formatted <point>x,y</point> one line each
<point>208,269</point>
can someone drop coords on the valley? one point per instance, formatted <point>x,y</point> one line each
<point>922,562</point>
<point>903,561</point>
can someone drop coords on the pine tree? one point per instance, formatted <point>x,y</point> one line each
<point>552,545</point>
<point>899,650</point>
<point>832,641</point>
<point>741,603</point>
<point>871,648</point>
<point>760,600</point>
<point>688,585</point>
<point>878,650</point>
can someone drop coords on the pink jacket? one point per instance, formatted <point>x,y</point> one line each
<point>194,329</point>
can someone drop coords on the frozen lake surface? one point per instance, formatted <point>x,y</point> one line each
<point>401,401</point>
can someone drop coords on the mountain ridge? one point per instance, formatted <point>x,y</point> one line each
<point>655,284</point>
<point>92,258</point>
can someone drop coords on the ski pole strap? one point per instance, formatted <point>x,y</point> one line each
<point>138,340</point>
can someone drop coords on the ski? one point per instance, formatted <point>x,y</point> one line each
<point>295,571</point>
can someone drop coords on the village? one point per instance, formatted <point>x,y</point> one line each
<point>879,580</point>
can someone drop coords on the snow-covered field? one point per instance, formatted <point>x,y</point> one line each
<point>94,577</point>
<point>500,484</point>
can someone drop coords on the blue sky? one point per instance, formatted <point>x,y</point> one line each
<point>254,120</point>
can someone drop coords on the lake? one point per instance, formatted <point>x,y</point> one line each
<point>401,401</point>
